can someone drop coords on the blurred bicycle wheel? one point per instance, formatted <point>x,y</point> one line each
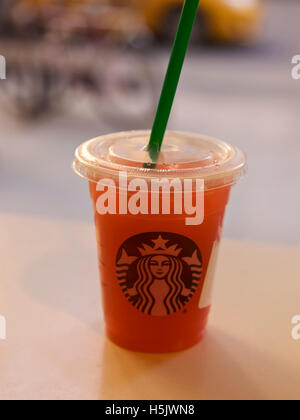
<point>129,92</point>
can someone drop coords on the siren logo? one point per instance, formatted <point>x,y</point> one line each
<point>2,68</point>
<point>159,273</point>
<point>2,328</point>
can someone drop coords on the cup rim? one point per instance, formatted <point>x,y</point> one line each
<point>227,164</point>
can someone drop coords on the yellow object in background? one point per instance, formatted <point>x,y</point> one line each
<point>221,20</point>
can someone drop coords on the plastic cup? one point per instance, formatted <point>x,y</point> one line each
<point>156,271</point>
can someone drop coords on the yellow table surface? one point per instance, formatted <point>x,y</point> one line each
<point>56,347</point>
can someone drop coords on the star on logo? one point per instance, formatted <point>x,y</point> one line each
<point>126,259</point>
<point>160,247</point>
<point>193,260</point>
<point>160,243</point>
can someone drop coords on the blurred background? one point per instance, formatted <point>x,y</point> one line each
<point>80,68</point>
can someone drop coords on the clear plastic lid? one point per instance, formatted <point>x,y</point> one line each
<point>183,155</point>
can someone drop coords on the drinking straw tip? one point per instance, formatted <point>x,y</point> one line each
<point>149,165</point>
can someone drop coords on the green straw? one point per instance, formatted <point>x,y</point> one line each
<point>182,39</point>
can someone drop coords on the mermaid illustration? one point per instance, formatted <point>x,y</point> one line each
<point>159,281</point>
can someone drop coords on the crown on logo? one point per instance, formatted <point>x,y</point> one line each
<point>160,248</point>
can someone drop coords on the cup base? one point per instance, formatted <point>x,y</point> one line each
<point>144,348</point>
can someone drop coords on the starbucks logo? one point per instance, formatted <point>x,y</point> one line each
<point>159,272</point>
